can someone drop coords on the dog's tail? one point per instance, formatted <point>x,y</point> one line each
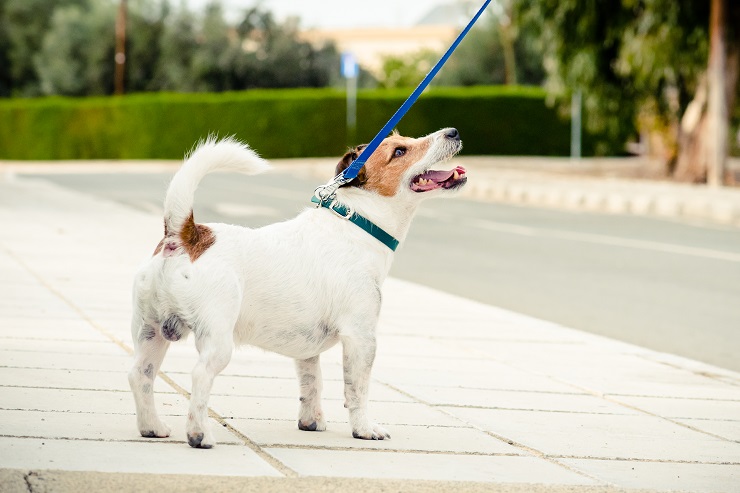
<point>210,155</point>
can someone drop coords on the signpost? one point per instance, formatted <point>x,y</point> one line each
<point>350,71</point>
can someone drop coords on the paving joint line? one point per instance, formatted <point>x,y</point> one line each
<point>272,461</point>
<point>338,448</point>
<point>728,379</point>
<point>498,408</point>
<point>616,394</point>
<point>529,450</point>
<point>608,398</point>
<point>654,461</point>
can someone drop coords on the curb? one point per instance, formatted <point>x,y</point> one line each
<point>666,203</point>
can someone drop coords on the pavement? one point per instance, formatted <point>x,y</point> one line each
<point>476,398</point>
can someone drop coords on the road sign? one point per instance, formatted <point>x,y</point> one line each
<point>349,66</point>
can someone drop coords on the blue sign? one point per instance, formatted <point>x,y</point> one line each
<point>349,66</point>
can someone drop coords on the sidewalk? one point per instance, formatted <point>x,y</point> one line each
<point>470,393</point>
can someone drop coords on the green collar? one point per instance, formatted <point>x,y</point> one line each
<point>347,213</point>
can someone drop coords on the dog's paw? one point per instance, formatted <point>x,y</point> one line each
<point>371,432</point>
<point>201,440</point>
<point>317,425</point>
<point>159,430</point>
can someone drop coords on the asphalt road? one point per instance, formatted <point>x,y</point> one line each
<point>664,285</point>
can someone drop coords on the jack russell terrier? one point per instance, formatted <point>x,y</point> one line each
<point>296,288</point>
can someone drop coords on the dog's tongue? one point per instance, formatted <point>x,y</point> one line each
<point>438,176</point>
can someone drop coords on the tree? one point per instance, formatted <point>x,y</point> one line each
<point>176,46</point>
<point>23,25</point>
<point>76,55</point>
<point>641,65</point>
<point>500,49</point>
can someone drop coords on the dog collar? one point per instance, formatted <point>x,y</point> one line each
<point>347,213</point>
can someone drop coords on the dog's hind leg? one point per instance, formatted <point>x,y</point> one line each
<point>150,348</point>
<point>358,357</point>
<point>310,417</point>
<point>215,353</point>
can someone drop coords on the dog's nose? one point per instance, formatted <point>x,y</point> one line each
<point>453,134</point>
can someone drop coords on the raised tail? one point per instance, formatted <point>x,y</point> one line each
<point>210,155</point>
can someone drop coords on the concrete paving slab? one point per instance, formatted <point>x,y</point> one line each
<point>117,364</point>
<point>385,413</point>
<point>663,476</point>
<point>447,373</point>
<point>502,399</point>
<point>686,408</point>
<point>280,433</point>
<point>86,401</point>
<point>149,457</point>
<point>728,429</point>
<point>439,467</point>
<point>602,436</point>
<point>89,426</point>
<point>71,379</point>
<point>48,329</point>
<point>61,346</point>
<point>285,387</point>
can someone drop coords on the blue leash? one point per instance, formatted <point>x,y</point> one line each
<point>324,195</point>
<point>326,191</point>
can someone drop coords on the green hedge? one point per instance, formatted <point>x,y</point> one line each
<point>277,123</point>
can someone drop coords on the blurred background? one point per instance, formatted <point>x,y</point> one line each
<point>615,122</point>
<point>635,75</point>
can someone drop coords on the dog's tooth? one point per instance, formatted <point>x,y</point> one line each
<point>455,175</point>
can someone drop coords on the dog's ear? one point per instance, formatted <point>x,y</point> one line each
<point>344,163</point>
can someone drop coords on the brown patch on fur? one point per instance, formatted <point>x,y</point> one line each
<point>196,238</point>
<point>382,173</point>
<point>344,163</point>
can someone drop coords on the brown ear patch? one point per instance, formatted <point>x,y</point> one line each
<point>196,238</point>
<point>344,163</point>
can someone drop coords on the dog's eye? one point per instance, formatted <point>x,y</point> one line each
<point>399,151</point>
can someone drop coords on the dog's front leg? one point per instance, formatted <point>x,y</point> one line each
<point>215,353</point>
<point>310,417</point>
<point>359,354</point>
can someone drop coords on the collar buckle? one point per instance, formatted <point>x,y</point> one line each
<point>341,210</point>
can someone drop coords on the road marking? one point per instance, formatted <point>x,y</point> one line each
<point>587,237</point>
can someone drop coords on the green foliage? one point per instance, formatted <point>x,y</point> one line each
<point>70,61</point>
<point>66,47</point>
<point>406,70</point>
<point>480,57</point>
<point>278,123</point>
<point>633,60</point>
<point>22,25</point>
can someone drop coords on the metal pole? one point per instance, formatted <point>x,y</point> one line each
<point>351,110</point>
<point>575,125</point>
<point>120,57</point>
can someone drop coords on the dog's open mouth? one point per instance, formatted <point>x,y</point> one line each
<point>432,180</point>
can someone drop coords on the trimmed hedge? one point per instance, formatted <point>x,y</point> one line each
<point>277,123</point>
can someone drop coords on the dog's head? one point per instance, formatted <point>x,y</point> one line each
<point>403,165</point>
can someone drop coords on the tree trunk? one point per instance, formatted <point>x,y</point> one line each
<point>508,36</point>
<point>703,134</point>
<point>120,57</point>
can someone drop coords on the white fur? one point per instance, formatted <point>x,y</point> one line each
<point>296,288</point>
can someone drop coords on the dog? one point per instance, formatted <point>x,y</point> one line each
<point>296,288</point>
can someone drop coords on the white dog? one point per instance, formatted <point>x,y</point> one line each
<point>296,288</point>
